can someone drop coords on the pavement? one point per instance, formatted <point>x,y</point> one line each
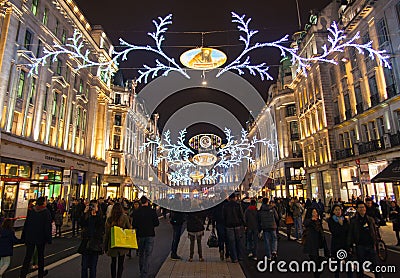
<point>211,267</point>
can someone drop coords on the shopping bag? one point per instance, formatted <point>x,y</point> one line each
<point>212,240</point>
<point>125,238</point>
<point>289,220</point>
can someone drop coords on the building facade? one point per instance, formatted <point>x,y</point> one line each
<point>52,122</point>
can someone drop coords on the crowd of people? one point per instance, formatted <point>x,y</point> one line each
<point>240,225</point>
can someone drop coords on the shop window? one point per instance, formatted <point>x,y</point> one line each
<point>115,166</point>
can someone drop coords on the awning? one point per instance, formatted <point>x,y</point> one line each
<point>390,174</point>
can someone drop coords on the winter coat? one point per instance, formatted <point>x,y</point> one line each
<point>233,215</point>
<point>37,227</point>
<point>355,228</point>
<point>195,222</point>
<point>339,234</point>
<point>124,223</point>
<point>313,237</point>
<point>92,234</point>
<point>58,218</point>
<point>7,240</point>
<point>268,217</point>
<point>251,218</point>
<point>177,218</point>
<point>395,217</point>
<point>144,220</point>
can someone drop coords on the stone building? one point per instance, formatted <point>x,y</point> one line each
<point>53,122</point>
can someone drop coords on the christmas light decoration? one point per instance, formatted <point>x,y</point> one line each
<point>178,156</point>
<point>337,43</point>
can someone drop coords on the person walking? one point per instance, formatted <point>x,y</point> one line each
<point>75,215</point>
<point>145,221</point>
<point>92,239</point>
<point>298,210</point>
<point>195,228</point>
<point>219,224</point>
<point>234,223</point>
<point>251,220</point>
<point>314,239</point>
<point>339,228</point>
<point>394,216</point>
<point>363,234</point>
<point>119,219</point>
<point>176,219</point>
<point>268,216</point>
<point>385,205</point>
<point>289,219</point>
<point>7,240</point>
<point>58,221</point>
<point>36,233</point>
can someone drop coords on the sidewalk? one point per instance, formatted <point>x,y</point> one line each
<point>211,267</point>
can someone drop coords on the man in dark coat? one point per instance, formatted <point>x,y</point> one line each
<point>145,221</point>
<point>36,233</point>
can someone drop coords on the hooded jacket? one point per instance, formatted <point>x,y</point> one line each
<point>37,227</point>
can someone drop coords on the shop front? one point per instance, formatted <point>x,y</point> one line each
<point>350,185</point>
<point>378,190</point>
<point>112,190</point>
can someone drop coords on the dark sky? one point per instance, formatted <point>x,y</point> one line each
<point>132,20</point>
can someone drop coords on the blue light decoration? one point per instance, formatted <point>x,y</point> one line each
<point>232,154</point>
<point>337,42</point>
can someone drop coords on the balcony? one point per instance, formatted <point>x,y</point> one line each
<point>345,153</point>
<point>374,100</point>
<point>372,146</point>
<point>360,108</point>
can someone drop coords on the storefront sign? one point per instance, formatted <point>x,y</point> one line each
<point>52,158</point>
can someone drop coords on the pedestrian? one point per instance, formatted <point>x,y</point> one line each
<point>339,228</point>
<point>234,223</point>
<point>119,219</point>
<point>314,239</point>
<point>36,233</point>
<point>58,221</point>
<point>298,210</point>
<point>195,228</point>
<point>92,239</point>
<point>373,211</point>
<point>75,215</point>
<point>385,205</point>
<point>267,217</point>
<point>251,220</point>
<point>394,216</point>
<point>7,240</point>
<point>289,219</point>
<point>219,224</point>
<point>176,219</point>
<point>145,221</point>
<point>363,234</point>
<point>134,210</point>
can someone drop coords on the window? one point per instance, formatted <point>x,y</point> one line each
<point>62,108</point>
<point>33,91</point>
<point>39,48</point>
<point>59,67</point>
<point>342,67</point>
<point>84,120</point>
<point>56,27</point>
<point>118,120</point>
<point>21,84</point>
<point>381,127</point>
<point>78,118</point>
<point>353,57</point>
<point>291,110</point>
<point>80,86</point>
<point>294,131</point>
<point>383,35</point>
<point>117,98</point>
<point>64,36</point>
<point>54,106</point>
<point>28,40</point>
<point>34,8</point>
<point>373,87</point>
<point>353,136</point>
<point>346,140</point>
<point>373,130</point>
<point>332,75</point>
<point>46,94</point>
<point>365,133</point>
<point>390,83</point>
<point>87,91</point>
<point>341,141</point>
<point>347,106</point>
<point>114,166</point>
<point>359,99</point>
<point>45,17</point>
<point>368,61</point>
<point>116,142</point>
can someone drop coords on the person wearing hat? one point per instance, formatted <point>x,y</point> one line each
<point>145,221</point>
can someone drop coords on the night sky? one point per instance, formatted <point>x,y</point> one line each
<point>132,20</point>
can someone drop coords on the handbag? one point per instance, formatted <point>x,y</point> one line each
<point>125,238</point>
<point>212,241</point>
<point>289,220</point>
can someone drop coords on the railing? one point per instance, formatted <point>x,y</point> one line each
<point>372,146</point>
<point>345,153</point>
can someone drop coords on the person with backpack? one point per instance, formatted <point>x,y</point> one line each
<point>268,217</point>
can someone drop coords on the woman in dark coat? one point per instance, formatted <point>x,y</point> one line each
<point>7,240</point>
<point>339,227</point>
<point>394,216</point>
<point>314,239</point>
<point>195,228</point>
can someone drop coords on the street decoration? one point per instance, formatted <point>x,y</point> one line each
<point>337,42</point>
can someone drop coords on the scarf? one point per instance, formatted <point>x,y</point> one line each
<point>252,207</point>
<point>336,219</point>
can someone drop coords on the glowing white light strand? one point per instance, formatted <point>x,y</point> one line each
<point>177,155</point>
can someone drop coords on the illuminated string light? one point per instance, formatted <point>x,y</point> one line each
<point>337,43</point>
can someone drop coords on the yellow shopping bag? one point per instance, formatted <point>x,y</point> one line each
<point>125,238</point>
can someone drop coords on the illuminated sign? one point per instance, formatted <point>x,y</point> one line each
<point>203,58</point>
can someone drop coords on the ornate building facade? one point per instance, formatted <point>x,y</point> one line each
<point>53,123</point>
